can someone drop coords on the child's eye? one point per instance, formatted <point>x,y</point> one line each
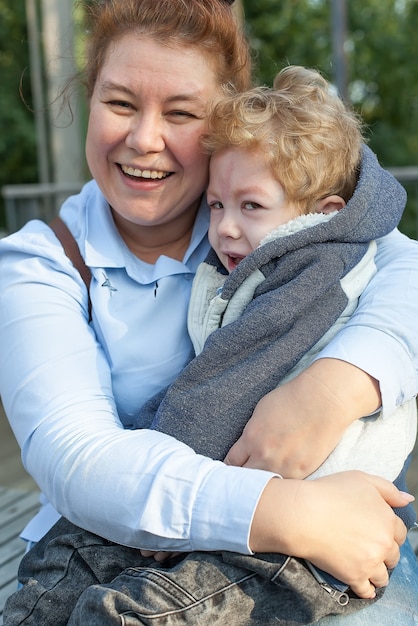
<point>216,205</point>
<point>251,205</point>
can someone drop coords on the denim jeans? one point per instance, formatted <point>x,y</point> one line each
<point>242,601</point>
<point>82,579</point>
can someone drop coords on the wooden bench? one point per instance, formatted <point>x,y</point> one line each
<point>16,509</point>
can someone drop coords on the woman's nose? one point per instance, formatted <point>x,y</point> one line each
<point>146,134</point>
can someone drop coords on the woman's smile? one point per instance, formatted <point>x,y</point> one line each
<point>136,173</point>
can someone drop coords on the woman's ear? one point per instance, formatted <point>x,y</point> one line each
<point>330,204</point>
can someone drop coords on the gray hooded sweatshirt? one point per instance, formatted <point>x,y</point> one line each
<point>259,326</point>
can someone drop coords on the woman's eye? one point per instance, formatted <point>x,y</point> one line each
<point>120,104</point>
<point>182,116</point>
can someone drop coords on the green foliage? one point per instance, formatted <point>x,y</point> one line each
<point>287,32</point>
<point>17,139</point>
<point>382,64</point>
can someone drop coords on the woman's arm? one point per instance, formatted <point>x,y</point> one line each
<point>316,406</point>
<point>373,361</point>
<point>381,338</point>
<point>341,523</point>
<point>56,388</point>
<point>130,486</point>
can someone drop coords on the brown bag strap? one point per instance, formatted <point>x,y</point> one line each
<point>71,249</point>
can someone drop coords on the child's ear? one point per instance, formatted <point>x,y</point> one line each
<point>330,204</point>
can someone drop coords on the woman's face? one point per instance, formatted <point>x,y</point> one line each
<point>147,113</point>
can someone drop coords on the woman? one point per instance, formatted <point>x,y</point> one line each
<point>71,389</point>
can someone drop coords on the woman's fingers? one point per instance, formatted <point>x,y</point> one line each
<point>158,555</point>
<point>366,588</point>
<point>400,532</point>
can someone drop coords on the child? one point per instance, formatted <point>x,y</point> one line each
<point>296,200</point>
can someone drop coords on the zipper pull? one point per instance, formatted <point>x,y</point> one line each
<point>340,596</point>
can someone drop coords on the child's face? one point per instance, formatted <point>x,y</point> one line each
<point>246,203</point>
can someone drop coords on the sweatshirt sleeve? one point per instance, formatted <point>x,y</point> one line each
<point>381,337</point>
<point>137,488</point>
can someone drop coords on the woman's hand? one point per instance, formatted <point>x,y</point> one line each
<point>316,406</point>
<point>343,524</point>
<point>159,556</point>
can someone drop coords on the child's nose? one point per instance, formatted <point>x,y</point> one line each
<point>228,227</point>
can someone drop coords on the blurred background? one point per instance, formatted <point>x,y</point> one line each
<point>367,48</point>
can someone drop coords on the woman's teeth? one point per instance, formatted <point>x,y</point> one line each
<point>154,174</point>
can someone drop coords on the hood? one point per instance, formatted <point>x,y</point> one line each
<point>373,211</point>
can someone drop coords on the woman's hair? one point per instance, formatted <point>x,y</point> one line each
<point>311,140</point>
<point>210,26</point>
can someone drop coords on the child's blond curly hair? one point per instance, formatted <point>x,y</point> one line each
<point>311,139</point>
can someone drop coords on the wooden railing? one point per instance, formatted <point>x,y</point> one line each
<point>37,201</point>
<point>42,201</point>
<point>408,177</point>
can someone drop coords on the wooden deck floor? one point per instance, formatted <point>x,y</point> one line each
<point>16,509</point>
<point>19,502</point>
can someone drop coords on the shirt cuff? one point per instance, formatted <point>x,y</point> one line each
<point>237,501</point>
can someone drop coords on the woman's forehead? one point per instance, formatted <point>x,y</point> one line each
<point>142,57</point>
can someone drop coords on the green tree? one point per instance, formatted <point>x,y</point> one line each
<point>381,60</point>
<point>381,63</point>
<point>17,139</point>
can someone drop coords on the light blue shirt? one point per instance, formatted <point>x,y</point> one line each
<point>71,390</point>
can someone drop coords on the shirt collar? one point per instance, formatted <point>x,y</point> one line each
<point>104,247</point>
